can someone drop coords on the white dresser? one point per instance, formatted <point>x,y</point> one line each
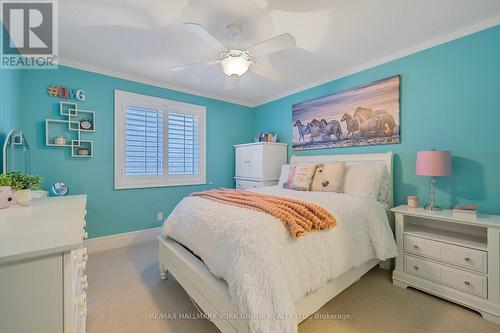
<point>259,164</point>
<point>452,257</point>
<point>42,266</point>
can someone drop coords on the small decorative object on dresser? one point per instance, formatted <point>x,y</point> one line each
<point>259,164</point>
<point>452,257</point>
<point>22,185</point>
<point>59,189</point>
<point>6,197</point>
<point>42,266</point>
<point>412,201</point>
<point>433,163</point>
<point>465,211</point>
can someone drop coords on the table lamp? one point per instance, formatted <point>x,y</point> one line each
<point>433,163</point>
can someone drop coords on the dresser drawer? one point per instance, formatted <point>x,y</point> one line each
<point>455,278</point>
<point>243,183</point>
<point>465,257</point>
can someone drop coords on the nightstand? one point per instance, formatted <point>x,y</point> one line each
<point>451,257</point>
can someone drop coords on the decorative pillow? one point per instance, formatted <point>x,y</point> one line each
<point>364,179</point>
<point>328,177</point>
<point>285,168</point>
<point>300,177</point>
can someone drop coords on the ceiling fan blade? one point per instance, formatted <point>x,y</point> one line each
<point>267,72</point>
<point>205,35</point>
<point>231,82</point>
<point>183,67</point>
<point>261,3</point>
<point>281,42</point>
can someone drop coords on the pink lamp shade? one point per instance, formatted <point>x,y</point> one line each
<point>433,163</point>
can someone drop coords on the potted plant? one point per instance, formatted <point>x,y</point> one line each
<point>22,185</point>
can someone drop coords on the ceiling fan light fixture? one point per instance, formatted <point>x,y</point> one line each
<point>235,62</point>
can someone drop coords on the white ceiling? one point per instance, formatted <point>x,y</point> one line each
<point>140,40</point>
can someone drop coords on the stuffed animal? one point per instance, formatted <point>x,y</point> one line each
<point>6,197</point>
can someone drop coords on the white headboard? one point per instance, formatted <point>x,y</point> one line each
<point>384,158</point>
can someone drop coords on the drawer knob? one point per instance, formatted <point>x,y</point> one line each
<point>415,246</point>
<point>416,268</point>
<point>467,283</point>
<point>467,259</point>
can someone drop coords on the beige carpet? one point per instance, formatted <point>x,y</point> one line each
<point>126,293</point>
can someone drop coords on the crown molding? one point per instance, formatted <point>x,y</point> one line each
<point>140,79</point>
<point>483,25</point>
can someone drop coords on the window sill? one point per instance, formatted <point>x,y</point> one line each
<point>127,186</point>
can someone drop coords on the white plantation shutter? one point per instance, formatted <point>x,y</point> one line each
<point>158,142</point>
<point>143,142</point>
<point>183,144</point>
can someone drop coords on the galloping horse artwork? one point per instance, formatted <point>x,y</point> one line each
<point>361,116</point>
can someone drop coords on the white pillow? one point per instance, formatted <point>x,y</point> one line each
<point>364,179</point>
<point>285,168</point>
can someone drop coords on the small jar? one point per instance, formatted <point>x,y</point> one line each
<point>60,140</point>
<point>83,152</point>
<point>412,201</point>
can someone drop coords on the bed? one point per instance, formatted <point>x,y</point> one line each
<point>202,274</point>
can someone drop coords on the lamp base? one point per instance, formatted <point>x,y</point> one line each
<point>432,208</point>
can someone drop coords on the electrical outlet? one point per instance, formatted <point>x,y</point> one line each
<point>159,216</point>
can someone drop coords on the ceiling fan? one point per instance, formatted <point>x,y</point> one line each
<point>236,62</point>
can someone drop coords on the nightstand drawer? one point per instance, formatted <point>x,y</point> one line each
<point>422,268</point>
<point>465,281</point>
<point>457,255</point>
<point>422,246</point>
<point>455,278</point>
<point>465,257</point>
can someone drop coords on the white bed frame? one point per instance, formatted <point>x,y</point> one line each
<point>212,294</point>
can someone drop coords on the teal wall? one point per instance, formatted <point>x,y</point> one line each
<point>110,211</point>
<point>450,100</point>
<point>9,102</point>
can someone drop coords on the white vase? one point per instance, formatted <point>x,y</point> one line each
<point>23,197</point>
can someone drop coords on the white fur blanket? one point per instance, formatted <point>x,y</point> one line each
<point>266,269</point>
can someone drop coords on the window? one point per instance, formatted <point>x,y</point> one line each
<point>158,142</point>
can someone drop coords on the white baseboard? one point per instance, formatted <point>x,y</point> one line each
<point>99,244</point>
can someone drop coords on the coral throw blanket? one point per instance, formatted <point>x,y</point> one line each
<point>298,217</point>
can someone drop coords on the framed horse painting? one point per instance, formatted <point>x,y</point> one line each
<point>360,116</point>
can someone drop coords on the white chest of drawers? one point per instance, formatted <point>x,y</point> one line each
<point>259,164</point>
<point>42,267</point>
<point>454,258</point>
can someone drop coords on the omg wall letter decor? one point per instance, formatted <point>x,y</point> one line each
<point>361,116</point>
